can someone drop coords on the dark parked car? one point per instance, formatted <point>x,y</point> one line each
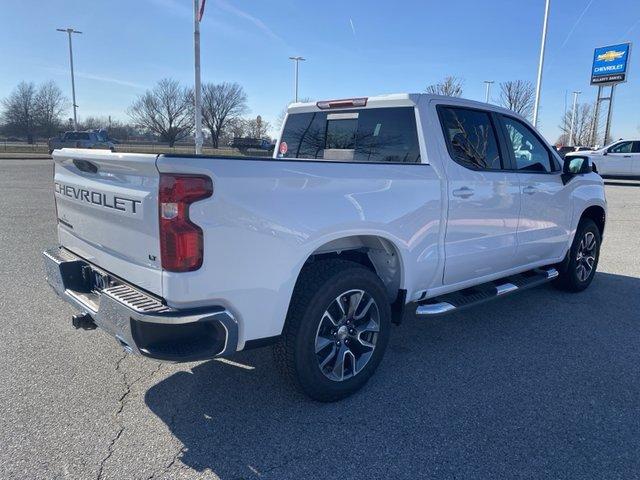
<point>244,143</point>
<point>86,139</point>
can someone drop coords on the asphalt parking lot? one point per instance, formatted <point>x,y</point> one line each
<point>543,384</point>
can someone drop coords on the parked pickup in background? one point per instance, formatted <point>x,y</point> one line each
<point>86,139</point>
<point>245,143</point>
<point>371,209</point>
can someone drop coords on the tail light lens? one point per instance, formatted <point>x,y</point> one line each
<point>181,241</point>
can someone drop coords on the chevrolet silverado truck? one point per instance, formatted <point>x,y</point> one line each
<point>370,210</point>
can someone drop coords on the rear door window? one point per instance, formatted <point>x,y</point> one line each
<point>379,135</point>
<point>471,138</point>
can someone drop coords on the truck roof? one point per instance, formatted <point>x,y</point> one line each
<point>397,100</point>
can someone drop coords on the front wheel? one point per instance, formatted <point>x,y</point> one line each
<point>336,330</point>
<point>579,267</point>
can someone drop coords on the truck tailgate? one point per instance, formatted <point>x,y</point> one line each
<point>107,205</point>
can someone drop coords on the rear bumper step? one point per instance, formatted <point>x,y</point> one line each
<point>140,322</point>
<point>452,302</point>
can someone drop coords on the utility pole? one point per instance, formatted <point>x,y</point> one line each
<point>297,60</point>
<point>572,139</point>
<point>69,31</point>
<point>198,10</point>
<point>488,89</point>
<point>594,127</point>
<point>536,104</point>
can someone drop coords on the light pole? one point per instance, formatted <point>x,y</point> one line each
<point>69,31</point>
<point>572,140</point>
<point>541,63</point>
<point>488,85</point>
<point>198,10</point>
<point>297,60</point>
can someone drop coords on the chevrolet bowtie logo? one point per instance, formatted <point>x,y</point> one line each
<point>610,56</point>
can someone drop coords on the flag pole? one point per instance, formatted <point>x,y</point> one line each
<point>536,103</point>
<point>197,16</point>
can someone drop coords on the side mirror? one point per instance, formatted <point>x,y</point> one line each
<point>575,165</point>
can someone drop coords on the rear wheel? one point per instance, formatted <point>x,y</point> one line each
<point>579,268</point>
<point>336,331</point>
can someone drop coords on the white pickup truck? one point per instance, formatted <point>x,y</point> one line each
<point>371,208</point>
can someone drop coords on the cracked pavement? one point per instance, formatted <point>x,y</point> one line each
<point>539,385</point>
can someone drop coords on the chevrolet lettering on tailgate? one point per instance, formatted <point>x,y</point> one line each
<point>100,199</point>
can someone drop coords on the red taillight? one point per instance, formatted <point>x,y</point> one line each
<point>181,243</point>
<point>345,103</point>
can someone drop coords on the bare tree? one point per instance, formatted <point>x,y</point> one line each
<point>517,95</point>
<point>221,103</point>
<point>257,127</point>
<point>236,127</point>
<point>582,127</point>
<point>50,104</point>
<point>93,123</point>
<point>19,111</point>
<point>283,113</point>
<point>115,128</point>
<point>451,86</point>
<point>166,110</point>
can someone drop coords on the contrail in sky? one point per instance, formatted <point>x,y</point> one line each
<point>575,24</point>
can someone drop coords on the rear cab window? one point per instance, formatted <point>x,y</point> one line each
<point>370,135</point>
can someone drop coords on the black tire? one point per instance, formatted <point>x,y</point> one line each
<point>570,275</point>
<point>321,284</point>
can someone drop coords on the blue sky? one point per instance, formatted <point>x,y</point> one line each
<point>354,48</point>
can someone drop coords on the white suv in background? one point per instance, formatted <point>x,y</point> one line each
<point>621,158</point>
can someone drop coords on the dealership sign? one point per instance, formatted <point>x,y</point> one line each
<point>610,64</point>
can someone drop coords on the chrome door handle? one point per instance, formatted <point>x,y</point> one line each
<point>627,156</point>
<point>464,192</point>
<point>529,190</point>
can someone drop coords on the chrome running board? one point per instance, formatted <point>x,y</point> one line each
<point>472,296</point>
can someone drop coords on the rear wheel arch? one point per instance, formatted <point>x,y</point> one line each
<point>374,252</point>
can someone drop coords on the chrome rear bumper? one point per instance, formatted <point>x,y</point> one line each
<point>141,322</point>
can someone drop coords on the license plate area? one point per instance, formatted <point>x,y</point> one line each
<point>94,280</point>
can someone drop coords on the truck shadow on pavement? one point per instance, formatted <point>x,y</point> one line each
<point>542,384</point>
